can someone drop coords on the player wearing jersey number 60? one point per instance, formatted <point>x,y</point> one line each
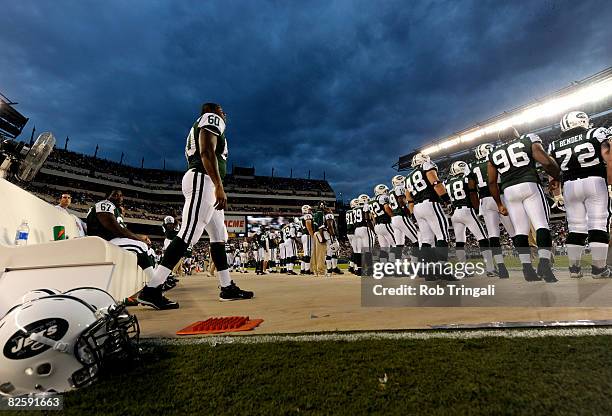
<point>205,200</point>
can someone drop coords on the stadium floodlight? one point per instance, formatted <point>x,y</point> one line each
<point>549,108</point>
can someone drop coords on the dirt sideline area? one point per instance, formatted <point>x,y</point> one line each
<point>300,304</point>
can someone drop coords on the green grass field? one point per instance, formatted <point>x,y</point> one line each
<point>548,375</point>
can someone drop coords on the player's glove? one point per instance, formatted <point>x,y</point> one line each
<point>560,202</point>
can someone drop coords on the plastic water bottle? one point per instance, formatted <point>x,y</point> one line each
<point>22,234</point>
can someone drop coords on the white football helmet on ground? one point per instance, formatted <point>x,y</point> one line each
<point>398,180</point>
<point>458,168</point>
<point>419,159</point>
<point>381,189</point>
<point>483,150</point>
<point>575,119</point>
<point>59,342</point>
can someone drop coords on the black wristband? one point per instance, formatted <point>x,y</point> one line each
<point>445,198</point>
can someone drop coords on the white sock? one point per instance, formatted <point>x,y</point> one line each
<point>328,263</point>
<point>499,258</point>
<point>488,258</point>
<point>525,258</point>
<point>544,253</point>
<point>224,278</point>
<point>599,253</point>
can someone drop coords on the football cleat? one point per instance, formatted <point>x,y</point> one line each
<point>337,270</point>
<point>601,273</point>
<point>292,273</point>
<point>483,150</point>
<point>530,274</point>
<point>233,292</point>
<point>575,119</point>
<point>458,168</point>
<point>398,180</point>
<point>419,159</point>
<point>575,272</point>
<point>381,189</point>
<point>492,274</point>
<point>153,297</point>
<point>502,271</point>
<point>545,271</point>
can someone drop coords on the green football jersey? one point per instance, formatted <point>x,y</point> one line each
<point>479,170</point>
<point>514,161</point>
<point>458,191</point>
<point>317,219</point>
<point>350,221</point>
<point>215,124</point>
<point>95,227</point>
<point>394,197</point>
<point>378,208</point>
<point>579,154</point>
<point>418,184</point>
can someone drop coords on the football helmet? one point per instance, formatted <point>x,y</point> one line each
<point>169,220</point>
<point>306,209</point>
<point>334,246</point>
<point>31,295</point>
<point>419,159</point>
<point>483,150</point>
<point>120,335</point>
<point>575,119</point>
<point>49,344</point>
<point>354,203</point>
<point>458,168</point>
<point>398,180</point>
<point>363,199</point>
<point>381,189</point>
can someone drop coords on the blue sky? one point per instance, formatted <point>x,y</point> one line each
<point>343,87</point>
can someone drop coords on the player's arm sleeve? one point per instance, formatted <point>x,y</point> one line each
<point>212,123</point>
<point>534,138</point>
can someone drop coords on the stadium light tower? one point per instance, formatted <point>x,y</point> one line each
<point>577,97</point>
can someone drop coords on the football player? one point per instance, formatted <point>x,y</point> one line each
<point>488,208</point>
<point>171,229</point>
<point>244,255</point>
<point>425,191</point>
<point>582,152</point>
<point>461,187</point>
<point>105,220</point>
<point>401,223</point>
<point>307,244</point>
<point>382,216</point>
<point>350,232</point>
<point>514,161</point>
<point>229,253</point>
<point>330,235</point>
<point>364,234</point>
<point>205,200</point>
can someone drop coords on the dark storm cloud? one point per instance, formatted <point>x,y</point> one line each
<point>340,87</point>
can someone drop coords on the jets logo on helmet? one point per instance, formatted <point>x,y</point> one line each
<point>354,203</point>
<point>419,159</point>
<point>483,150</point>
<point>381,189</point>
<point>363,199</point>
<point>306,209</point>
<point>575,119</point>
<point>169,220</point>
<point>458,168</point>
<point>398,180</point>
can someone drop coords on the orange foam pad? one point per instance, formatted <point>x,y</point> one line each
<point>220,325</point>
